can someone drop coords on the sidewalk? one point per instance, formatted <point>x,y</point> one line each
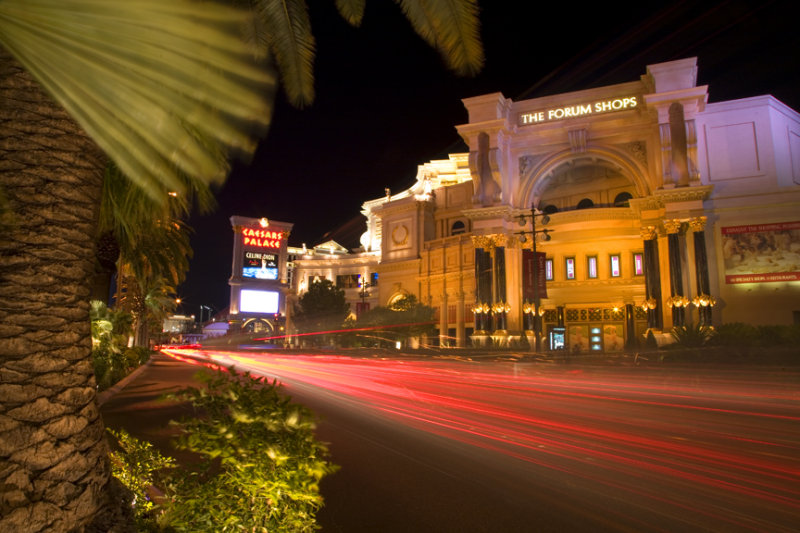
<point>134,404</point>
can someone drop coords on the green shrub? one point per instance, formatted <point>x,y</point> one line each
<point>736,334</point>
<point>778,335</point>
<point>137,465</point>
<point>692,336</point>
<point>136,356</point>
<point>261,464</point>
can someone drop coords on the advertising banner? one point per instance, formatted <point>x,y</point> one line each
<point>761,253</point>
<point>260,265</point>
<point>529,286</point>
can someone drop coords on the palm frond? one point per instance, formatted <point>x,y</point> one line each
<point>451,26</point>
<point>152,82</point>
<point>351,10</point>
<point>287,32</point>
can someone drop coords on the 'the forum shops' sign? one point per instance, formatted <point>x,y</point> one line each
<point>579,110</point>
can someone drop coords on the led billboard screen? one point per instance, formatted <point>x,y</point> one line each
<point>260,265</point>
<point>252,301</point>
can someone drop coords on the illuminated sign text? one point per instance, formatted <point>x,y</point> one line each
<point>593,108</point>
<point>261,238</point>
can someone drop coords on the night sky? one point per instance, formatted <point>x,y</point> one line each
<point>386,103</point>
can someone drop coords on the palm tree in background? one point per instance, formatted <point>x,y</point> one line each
<point>165,89</point>
<point>147,244</point>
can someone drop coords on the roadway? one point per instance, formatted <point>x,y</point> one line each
<point>453,445</point>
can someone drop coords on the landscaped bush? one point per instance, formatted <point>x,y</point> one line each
<point>692,336</point>
<point>736,334</point>
<point>739,334</point>
<point>260,466</point>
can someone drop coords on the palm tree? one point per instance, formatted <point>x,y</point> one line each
<point>163,88</point>
<point>282,29</point>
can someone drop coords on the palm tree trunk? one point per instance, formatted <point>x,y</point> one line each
<point>53,456</point>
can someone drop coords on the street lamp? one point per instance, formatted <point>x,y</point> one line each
<point>364,292</point>
<point>534,233</point>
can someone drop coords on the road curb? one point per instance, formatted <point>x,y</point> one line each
<point>104,396</point>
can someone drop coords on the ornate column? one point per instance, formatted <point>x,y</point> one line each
<point>460,332</point>
<point>652,278</point>
<point>703,300</point>
<point>443,321</point>
<point>677,300</point>
<point>500,307</point>
<point>483,283</point>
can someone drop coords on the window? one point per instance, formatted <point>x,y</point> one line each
<point>570,264</point>
<point>591,267</point>
<point>347,281</point>
<point>457,228</point>
<point>586,203</point>
<point>550,209</point>
<point>621,200</point>
<point>614,260</point>
<point>638,264</point>
<point>548,269</point>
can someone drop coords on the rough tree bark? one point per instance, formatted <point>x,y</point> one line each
<point>53,456</point>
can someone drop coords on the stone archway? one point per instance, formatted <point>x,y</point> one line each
<point>559,182</point>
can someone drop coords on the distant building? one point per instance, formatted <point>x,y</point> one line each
<point>664,210</point>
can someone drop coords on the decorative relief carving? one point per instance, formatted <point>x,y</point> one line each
<point>684,194</point>
<point>400,235</point>
<point>527,163</point>
<point>672,225</point>
<point>499,240</point>
<point>483,241</point>
<point>649,233</point>
<point>698,223</point>
<point>577,140</point>
<point>638,149</point>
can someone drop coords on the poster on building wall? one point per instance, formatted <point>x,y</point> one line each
<point>528,285</point>
<point>761,253</point>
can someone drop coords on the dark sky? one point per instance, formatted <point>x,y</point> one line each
<point>386,103</point>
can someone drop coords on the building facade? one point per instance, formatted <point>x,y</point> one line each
<point>648,208</point>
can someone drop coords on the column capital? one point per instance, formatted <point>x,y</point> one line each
<point>672,225</point>
<point>649,233</point>
<point>698,223</point>
<point>483,241</point>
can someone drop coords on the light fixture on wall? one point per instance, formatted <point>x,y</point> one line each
<point>704,300</point>
<point>678,301</point>
<point>649,304</point>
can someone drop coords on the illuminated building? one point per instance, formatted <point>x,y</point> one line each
<point>664,210</point>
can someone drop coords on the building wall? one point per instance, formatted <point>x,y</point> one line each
<point>647,166</point>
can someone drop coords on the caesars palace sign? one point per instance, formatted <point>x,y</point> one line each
<point>591,108</point>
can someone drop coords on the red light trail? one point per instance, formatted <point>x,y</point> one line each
<point>709,450</point>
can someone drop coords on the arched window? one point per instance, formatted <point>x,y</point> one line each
<point>550,209</point>
<point>457,228</point>
<point>621,200</point>
<point>586,203</point>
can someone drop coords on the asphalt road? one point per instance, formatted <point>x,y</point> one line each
<point>440,446</point>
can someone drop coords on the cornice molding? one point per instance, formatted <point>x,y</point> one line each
<point>684,194</point>
<point>485,213</point>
